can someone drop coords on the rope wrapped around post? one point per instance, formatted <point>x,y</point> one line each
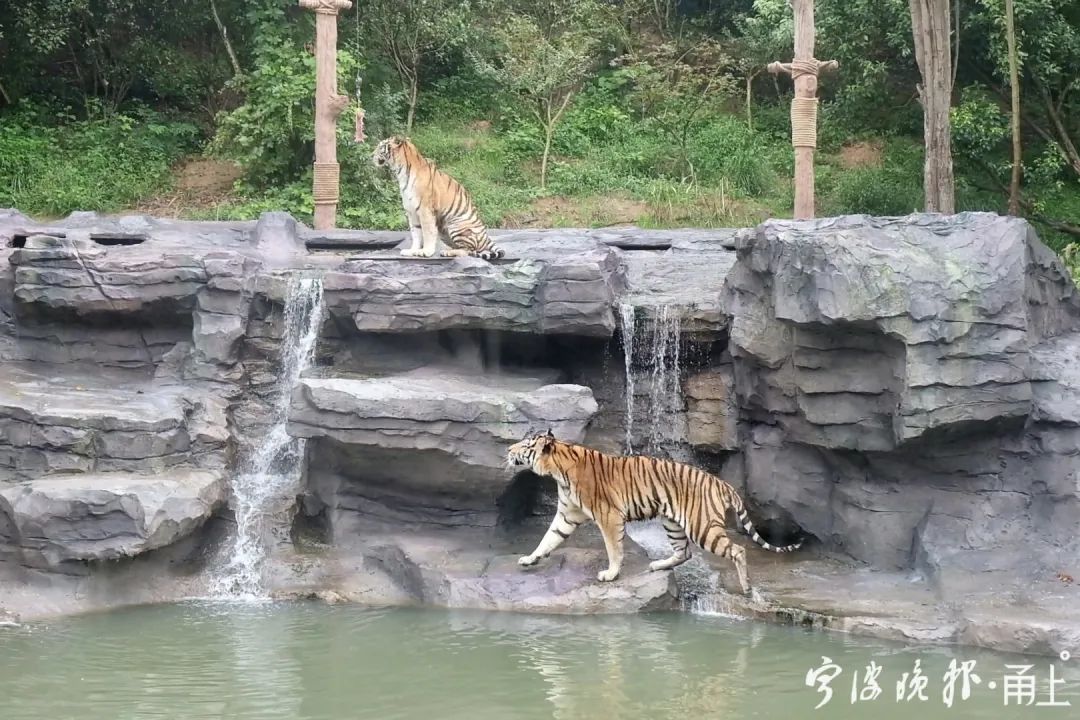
<point>804,71</point>
<point>326,7</point>
<point>804,122</point>
<point>803,109</point>
<point>325,185</point>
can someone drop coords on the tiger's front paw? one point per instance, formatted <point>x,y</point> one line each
<point>409,252</point>
<point>425,253</point>
<point>527,560</point>
<point>607,575</point>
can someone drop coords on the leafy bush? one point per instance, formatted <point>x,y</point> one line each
<point>1071,255</point>
<point>104,164</point>
<point>727,149</point>
<point>894,188</point>
<point>272,133</point>
<point>875,191</point>
<point>463,96</point>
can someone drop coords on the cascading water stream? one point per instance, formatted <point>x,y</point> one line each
<point>626,317</point>
<point>656,350</point>
<point>656,347</point>
<point>665,393</point>
<point>268,476</point>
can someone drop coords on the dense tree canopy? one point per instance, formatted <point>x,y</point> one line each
<point>649,100</point>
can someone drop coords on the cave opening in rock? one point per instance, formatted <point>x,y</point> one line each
<point>114,239</point>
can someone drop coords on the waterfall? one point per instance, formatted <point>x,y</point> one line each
<point>270,473</point>
<point>657,348</point>
<point>665,393</point>
<point>626,316</point>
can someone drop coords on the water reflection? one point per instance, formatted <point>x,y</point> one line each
<point>313,662</point>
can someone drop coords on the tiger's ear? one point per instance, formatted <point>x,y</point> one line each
<point>550,434</point>
<point>396,141</point>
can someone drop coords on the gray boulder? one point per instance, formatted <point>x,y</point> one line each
<point>66,276</point>
<point>50,521</point>
<point>424,446</point>
<point>687,278</point>
<point>1055,380</point>
<point>866,333</point>
<point>563,294</point>
<point>907,391</point>
<point>83,423</point>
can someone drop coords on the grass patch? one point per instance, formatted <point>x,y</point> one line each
<point>105,164</point>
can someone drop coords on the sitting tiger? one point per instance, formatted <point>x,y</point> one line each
<point>613,490</point>
<point>435,203</point>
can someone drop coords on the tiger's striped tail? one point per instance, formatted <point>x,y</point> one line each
<point>491,252</point>
<point>744,521</point>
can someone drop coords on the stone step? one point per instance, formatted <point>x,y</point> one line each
<point>98,422</point>
<point>432,439</point>
<point>104,516</point>
<point>568,288</point>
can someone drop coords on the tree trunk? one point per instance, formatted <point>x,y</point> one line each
<point>414,90</point>
<point>930,21</point>
<point>225,38</point>
<point>749,100</point>
<point>1014,86</point>
<point>549,130</point>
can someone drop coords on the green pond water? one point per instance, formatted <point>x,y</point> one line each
<point>312,661</point>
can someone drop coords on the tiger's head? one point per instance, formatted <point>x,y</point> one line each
<point>530,451</point>
<point>392,152</point>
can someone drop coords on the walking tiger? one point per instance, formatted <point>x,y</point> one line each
<point>612,490</point>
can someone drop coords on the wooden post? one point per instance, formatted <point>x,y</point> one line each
<point>804,70</point>
<point>328,106</point>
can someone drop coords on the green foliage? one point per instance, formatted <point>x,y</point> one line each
<point>111,50</point>
<point>466,95</point>
<point>751,161</point>
<point>542,54</point>
<point>871,39</point>
<point>979,126</point>
<point>104,164</point>
<point>894,188</point>
<point>272,133</point>
<point>412,34</point>
<point>633,111</point>
<point>675,86</point>
<point>1071,255</point>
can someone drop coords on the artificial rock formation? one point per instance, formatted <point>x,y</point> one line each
<point>892,377</point>
<point>901,392</point>
<point>424,445</point>
<point>49,522</point>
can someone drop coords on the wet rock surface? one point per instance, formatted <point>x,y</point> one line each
<point>470,570</point>
<point>902,392</point>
